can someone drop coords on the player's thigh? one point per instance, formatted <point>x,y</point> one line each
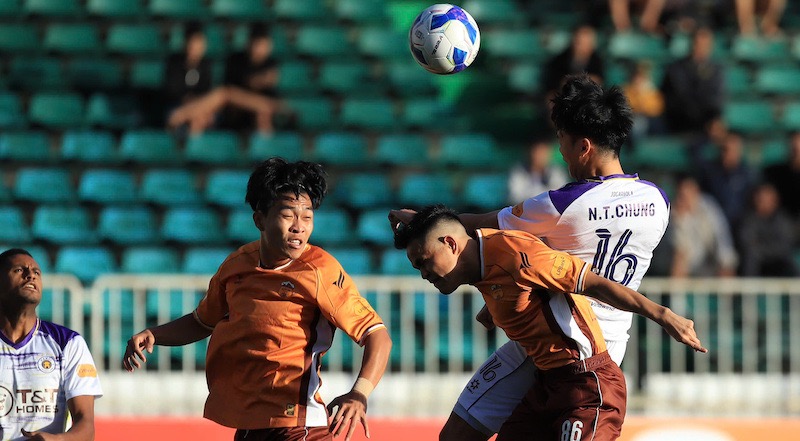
<point>285,434</point>
<point>457,429</point>
<point>496,389</point>
<point>594,405</point>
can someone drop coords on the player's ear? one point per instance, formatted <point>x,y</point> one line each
<point>451,243</point>
<point>258,219</point>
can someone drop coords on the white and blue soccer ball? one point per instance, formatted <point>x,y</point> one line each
<point>444,39</point>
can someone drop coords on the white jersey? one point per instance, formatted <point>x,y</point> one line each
<point>37,377</point>
<point>612,222</point>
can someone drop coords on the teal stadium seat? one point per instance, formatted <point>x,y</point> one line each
<point>486,192</point>
<point>371,114</point>
<point>513,44</point>
<point>15,227</point>
<point>44,185</point>
<point>395,263</point>
<point>240,227</point>
<point>92,74</point>
<point>10,8</point>
<point>53,8</point>
<point>373,228</point>
<point>383,43</point>
<point>750,116</point>
<point>637,46</point>
<point>404,150</point>
<point>296,77</point>
<point>113,111</point>
<point>63,225</point>
<point>421,189</point>
<point>12,115</point>
<point>36,73</point>
<point>213,147</point>
<point>192,226</point>
<point>73,38</point>
<point>226,188</point>
<point>57,110</point>
<point>89,146</point>
<point>150,260</point>
<point>25,146</point>
<point>345,77</point>
<point>469,150</point>
<point>301,10</point>
<point>178,9</point>
<point>312,113</point>
<point>759,50</point>
<point>410,80</point>
<point>364,190</point>
<point>247,10</point>
<point>149,147</point>
<point>128,225</point>
<point>146,74</point>
<point>169,187</point>
<point>495,13</point>
<point>662,153</point>
<point>331,227</point>
<point>680,44</point>
<point>738,81</point>
<point>135,39</point>
<point>426,114</point>
<point>525,77</point>
<point>19,38</point>
<point>790,118</point>
<point>203,260</point>
<point>86,263</point>
<point>288,145</point>
<point>772,152</point>
<point>323,41</point>
<point>115,9</point>
<point>107,186</point>
<point>361,11</point>
<point>355,261</point>
<point>778,80</point>
<point>341,149</point>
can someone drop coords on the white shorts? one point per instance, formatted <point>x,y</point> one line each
<point>499,385</point>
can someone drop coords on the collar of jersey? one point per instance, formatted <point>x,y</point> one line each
<point>632,177</point>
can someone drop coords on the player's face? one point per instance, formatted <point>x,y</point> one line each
<point>285,228</point>
<point>435,261</point>
<point>22,280</point>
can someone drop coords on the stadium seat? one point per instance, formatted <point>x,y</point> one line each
<point>322,41</point>
<point>383,43</point>
<point>680,44</point>
<point>772,151</point>
<point>301,10</point>
<point>426,113</point>
<point>468,150</point>
<point>515,44</point>
<point>86,263</point>
<point>421,189</point>
<point>213,147</point>
<point>361,11</point>
<point>778,80</point>
<point>525,78</point>
<point>149,146</point>
<point>36,73</point>
<point>364,190</point>
<point>374,114</point>
<point>662,153</point>
<point>92,74</point>
<point>345,77</point>
<point>178,9</point>
<point>486,192</point>
<point>402,150</point>
<point>15,227</point>
<point>107,186</point>
<point>150,260</point>
<point>341,148</point>
<point>227,187</point>
<point>27,146</point>
<point>240,227</point>
<point>63,225</point>
<point>88,146</point>
<point>246,10</point>
<point>128,225</point>
<point>115,9</point>
<point>312,113</point>
<point>169,187</point>
<point>44,185</point>
<point>72,38</point>
<point>11,114</point>
<point>288,145</point>
<point>494,12</point>
<point>410,80</point>
<point>331,227</point>
<point>19,38</point>
<point>749,117</point>
<point>395,263</point>
<point>113,111</point>
<point>135,39</point>
<point>53,8</point>
<point>373,227</point>
<point>355,261</point>
<point>637,46</point>
<point>295,77</point>
<point>738,80</point>
<point>146,74</point>
<point>10,9</point>
<point>202,260</point>
<point>759,50</point>
<point>192,225</point>
<point>57,110</point>
<point>790,118</point>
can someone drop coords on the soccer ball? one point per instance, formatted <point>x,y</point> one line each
<point>444,39</point>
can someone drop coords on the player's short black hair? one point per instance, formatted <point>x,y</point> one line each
<point>276,176</point>
<point>422,222</point>
<point>258,30</point>
<point>583,108</point>
<point>5,256</point>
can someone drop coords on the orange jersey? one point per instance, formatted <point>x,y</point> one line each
<point>270,330</point>
<point>527,286</point>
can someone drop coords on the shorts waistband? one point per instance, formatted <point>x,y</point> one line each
<point>578,367</point>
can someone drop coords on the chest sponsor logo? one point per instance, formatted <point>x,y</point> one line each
<point>46,364</point>
<point>28,401</point>
<point>286,290</point>
<point>561,265</point>
<point>496,291</point>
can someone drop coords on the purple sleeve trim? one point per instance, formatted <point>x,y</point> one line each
<point>566,195</point>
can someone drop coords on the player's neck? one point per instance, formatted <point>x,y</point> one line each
<point>17,326</point>
<point>604,168</point>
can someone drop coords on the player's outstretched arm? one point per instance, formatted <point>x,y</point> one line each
<point>179,332</point>
<point>622,297</point>
<point>352,406</point>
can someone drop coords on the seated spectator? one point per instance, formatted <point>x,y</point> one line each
<point>536,174</point>
<point>771,11</point>
<point>252,79</point>
<point>581,56</point>
<point>693,87</point>
<point>646,100</point>
<point>785,177</point>
<point>188,74</point>
<point>766,236</point>
<point>698,234</point>
<point>728,178</point>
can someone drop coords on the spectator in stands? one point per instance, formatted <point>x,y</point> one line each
<point>785,177</point>
<point>649,19</point>
<point>766,236</point>
<point>188,74</point>
<point>536,173</point>
<point>693,87</point>
<point>580,57</point>
<point>646,100</point>
<point>45,362</point>
<point>771,12</point>
<point>728,178</point>
<point>249,92</point>
<point>271,311</point>
<point>699,235</point>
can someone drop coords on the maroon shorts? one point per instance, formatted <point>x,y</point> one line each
<point>584,400</point>
<point>285,434</point>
